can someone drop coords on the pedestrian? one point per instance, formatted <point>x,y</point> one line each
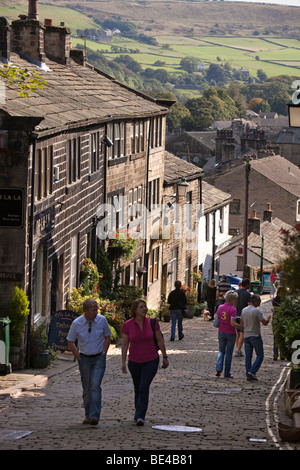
<point>143,358</point>
<point>242,302</point>
<point>226,334</point>
<point>211,297</point>
<point>92,332</point>
<point>177,304</point>
<point>273,279</point>
<point>222,287</point>
<point>251,319</point>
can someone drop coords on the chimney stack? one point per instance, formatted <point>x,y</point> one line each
<point>268,213</point>
<point>254,224</point>
<point>57,42</point>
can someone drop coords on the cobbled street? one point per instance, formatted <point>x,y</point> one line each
<point>229,412</point>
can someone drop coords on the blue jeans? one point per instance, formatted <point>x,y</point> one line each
<point>253,343</point>
<point>176,316</point>
<point>226,345</point>
<point>92,371</point>
<point>142,376</point>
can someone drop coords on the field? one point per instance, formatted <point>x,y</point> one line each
<point>183,29</point>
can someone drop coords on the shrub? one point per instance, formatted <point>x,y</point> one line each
<point>18,313</point>
<point>286,325</point>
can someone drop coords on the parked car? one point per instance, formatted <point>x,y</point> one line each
<point>234,281</point>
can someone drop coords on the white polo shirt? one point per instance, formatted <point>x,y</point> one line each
<point>90,335</point>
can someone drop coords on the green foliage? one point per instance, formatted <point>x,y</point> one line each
<point>215,104</point>
<point>286,325</point>
<point>38,340</point>
<point>286,322</point>
<point>122,244</point>
<point>291,264</point>
<point>18,313</point>
<point>76,298</point>
<point>89,276</point>
<point>126,295</point>
<point>27,81</point>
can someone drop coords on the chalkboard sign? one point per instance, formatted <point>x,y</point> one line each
<point>59,329</point>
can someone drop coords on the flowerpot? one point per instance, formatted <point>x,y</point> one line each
<point>40,360</point>
<point>190,311</point>
<point>165,318</point>
<point>14,357</point>
<point>197,312</point>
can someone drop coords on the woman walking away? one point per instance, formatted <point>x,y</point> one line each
<point>227,315</point>
<point>143,359</point>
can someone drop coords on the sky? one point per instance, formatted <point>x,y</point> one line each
<point>294,3</point>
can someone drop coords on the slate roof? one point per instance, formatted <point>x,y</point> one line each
<point>213,197</point>
<point>279,170</point>
<point>77,94</point>
<point>176,168</point>
<point>273,250</point>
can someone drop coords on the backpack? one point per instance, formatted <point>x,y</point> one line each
<point>153,321</point>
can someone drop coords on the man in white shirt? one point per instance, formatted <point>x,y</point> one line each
<point>92,333</point>
<point>251,319</point>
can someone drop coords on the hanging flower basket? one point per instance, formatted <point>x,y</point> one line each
<point>122,244</point>
<point>141,271</point>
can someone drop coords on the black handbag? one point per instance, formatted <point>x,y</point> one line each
<point>153,321</point>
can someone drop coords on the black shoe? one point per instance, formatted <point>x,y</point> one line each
<point>140,422</point>
<point>171,339</point>
<point>181,337</point>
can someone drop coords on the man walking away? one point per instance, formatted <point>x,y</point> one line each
<point>242,302</point>
<point>251,319</point>
<point>222,287</point>
<point>178,302</point>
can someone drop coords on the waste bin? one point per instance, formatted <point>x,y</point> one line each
<point>5,366</point>
<point>255,287</point>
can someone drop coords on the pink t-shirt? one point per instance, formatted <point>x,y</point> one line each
<point>225,313</point>
<point>141,341</point>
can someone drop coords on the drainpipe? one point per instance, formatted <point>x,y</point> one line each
<point>145,280</point>
<point>31,237</point>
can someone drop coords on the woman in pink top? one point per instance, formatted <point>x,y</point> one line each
<point>227,333</point>
<point>143,359</point>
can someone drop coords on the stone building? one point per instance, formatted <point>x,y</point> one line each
<point>80,142</point>
<point>180,236</point>
<point>272,179</point>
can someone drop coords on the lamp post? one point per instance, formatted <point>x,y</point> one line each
<point>294,106</point>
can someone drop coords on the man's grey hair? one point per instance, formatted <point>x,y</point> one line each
<point>89,303</point>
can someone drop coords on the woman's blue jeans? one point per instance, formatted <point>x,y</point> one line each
<point>142,376</point>
<point>92,371</point>
<point>253,343</point>
<point>176,316</point>
<point>226,346</point>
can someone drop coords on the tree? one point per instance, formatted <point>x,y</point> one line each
<point>26,81</point>
<point>215,104</point>
<point>189,64</point>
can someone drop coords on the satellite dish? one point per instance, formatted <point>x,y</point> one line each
<point>184,158</point>
<point>196,159</point>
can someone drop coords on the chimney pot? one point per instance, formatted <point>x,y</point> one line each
<point>33,10</point>
<point>48,22</point>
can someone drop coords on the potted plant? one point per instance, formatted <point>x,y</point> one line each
<point>164,311</point>
<point>40,356</point>
<point>17,313</point>
<point>191,295</point>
